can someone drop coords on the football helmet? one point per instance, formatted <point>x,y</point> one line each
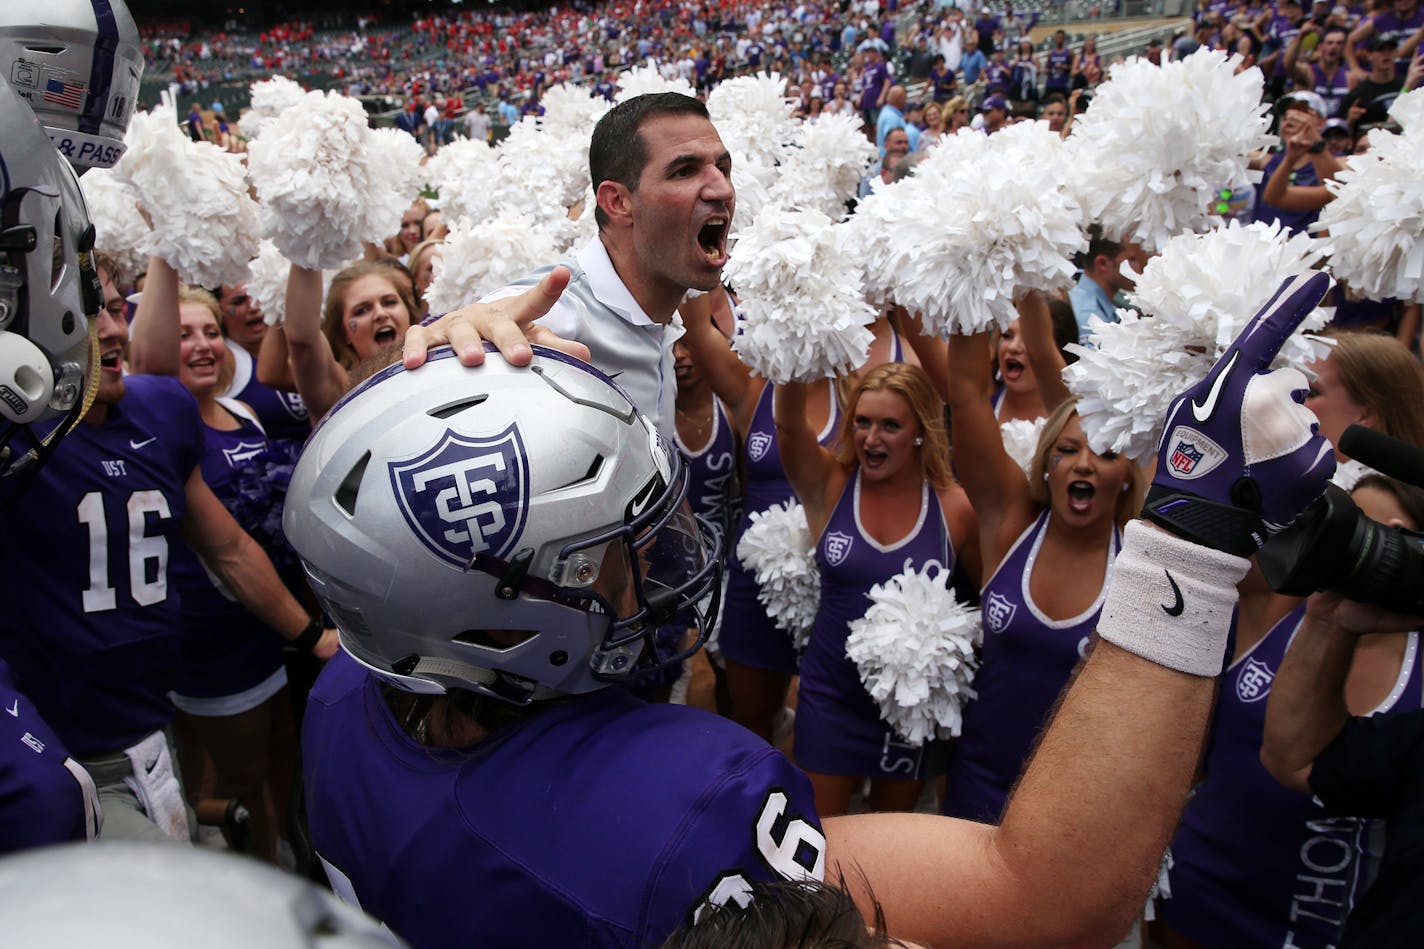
<point>158,894</point>
<point>78,64</point>
<point>519,532</point>
<point>49,292</point>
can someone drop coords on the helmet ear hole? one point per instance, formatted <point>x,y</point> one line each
<point>351,486</point>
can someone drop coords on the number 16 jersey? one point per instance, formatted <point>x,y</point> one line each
<point>91,628</point>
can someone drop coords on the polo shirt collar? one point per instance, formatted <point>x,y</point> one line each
<point>607,286</point>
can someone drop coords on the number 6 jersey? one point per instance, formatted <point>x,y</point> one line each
<point>598,821</point>
<point>91,628</point>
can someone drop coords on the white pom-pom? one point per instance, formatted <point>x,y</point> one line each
<point>402,155</point>
<point>480,258</point>
<point>541,173</point>
<point>324,182</point>
<point>645,79</point>
<point>1159,142</point>
<point>804,311</point>
<point>1020,438</point>
<point>119,230</point>
<point>1199,293</point>
<point>267,275</point>
<point>205,225</point>
<point>824,168</point>
<point>461,173</point>
<point>1376,221</point>
<point>753,116</point>
<point>571,110</point>
<point>1408,110</point>
<point>267,283</point>
<point>1011,228</point>
<point>752,182</point>
<point>270,98</point>
<point>914,648</point>
<point>777,548</point>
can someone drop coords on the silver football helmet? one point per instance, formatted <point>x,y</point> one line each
<point>520,532</point>
<point>78,64</point>
<point>49,291</point>
<point>160,895</point>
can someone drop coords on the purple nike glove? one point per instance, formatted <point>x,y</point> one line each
<point>1240,457</point>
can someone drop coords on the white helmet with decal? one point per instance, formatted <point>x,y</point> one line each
<point>519,532</point>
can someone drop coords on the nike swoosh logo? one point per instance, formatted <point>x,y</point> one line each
<point>137,445</point>
<point>14,709</point>
<point>1203,410</point>
<point>1176,608</point>
<point>640,502</point>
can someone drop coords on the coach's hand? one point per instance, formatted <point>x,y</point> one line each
<point>509,324</point>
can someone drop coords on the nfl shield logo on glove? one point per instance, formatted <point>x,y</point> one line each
<point>465,496</point>
<point>1193,454</point>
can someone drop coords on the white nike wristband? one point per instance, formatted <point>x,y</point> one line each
<point>1170,601</point>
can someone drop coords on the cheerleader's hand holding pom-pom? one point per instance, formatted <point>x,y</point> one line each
<point>914,649</point>
<point>326,182</point>
<point>205,224</point>
<point>777,549</point>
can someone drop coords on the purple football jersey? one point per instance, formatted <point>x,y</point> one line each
<point>41,803</point>
<point>92,629</point>
<point>599,821</point>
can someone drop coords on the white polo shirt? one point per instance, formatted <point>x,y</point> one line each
<point>599,311</point>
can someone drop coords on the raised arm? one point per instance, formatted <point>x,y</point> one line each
<point>1036,331</point>
<point>815,475</point>
<point>153,339</point>
<point>730,379</point>
<point>319,378</point>
<point>274,369</point>
<point>1281,193</point>
<point>1086,826</point>
<point>1293,66</point>
<point>1045,877</point>
<point>993,481</point>
<point>1358,35</point>
<point>929,350</point>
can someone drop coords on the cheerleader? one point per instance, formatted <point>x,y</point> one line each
<point>884,500</point>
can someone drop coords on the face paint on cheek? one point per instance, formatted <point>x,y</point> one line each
<point>351,325</point>
<point>1054,461</point>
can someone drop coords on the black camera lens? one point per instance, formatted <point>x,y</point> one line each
<point>1333,546</point>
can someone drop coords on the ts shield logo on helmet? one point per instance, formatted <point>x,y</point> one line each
<point>465,496</point>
